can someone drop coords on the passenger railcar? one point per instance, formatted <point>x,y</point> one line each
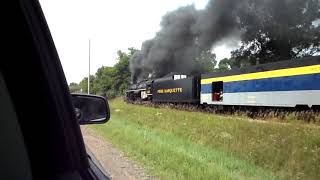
<point>282,84</point>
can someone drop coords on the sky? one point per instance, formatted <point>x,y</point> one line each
<point>110,26</point>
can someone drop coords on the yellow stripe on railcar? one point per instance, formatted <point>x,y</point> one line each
<point>266,74</point>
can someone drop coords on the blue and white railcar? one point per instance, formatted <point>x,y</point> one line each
<point>283,84</point>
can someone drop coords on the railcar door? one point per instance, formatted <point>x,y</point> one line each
<point>217,91</point>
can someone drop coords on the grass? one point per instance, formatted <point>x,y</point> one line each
<point>175,144</point>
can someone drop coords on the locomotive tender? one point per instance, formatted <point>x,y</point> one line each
<point>288,83</point>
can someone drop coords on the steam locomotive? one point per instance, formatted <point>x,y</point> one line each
<point>289,83</point>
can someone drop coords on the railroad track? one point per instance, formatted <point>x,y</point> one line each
<point>258,113</point>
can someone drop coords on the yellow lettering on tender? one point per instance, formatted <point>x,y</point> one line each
<point>171,90</point>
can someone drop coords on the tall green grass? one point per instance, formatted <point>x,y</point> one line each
<point>176,144</point>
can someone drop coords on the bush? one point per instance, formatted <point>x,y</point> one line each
<point>111,94</point>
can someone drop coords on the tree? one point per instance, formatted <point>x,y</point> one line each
<point>110,81</point>
<point>206,62</point>
<point>121,70</point>
<point>74,87</point>
<point>104,80</point>
<point>224,65</point>
<point>276,30</point>
<point>122,75</point>
<point>84,85</point>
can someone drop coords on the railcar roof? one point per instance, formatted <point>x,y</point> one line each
<point>299,62</point>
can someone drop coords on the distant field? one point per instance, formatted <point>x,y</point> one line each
<point>175,144</point>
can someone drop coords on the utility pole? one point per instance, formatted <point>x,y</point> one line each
<point>89,68</point>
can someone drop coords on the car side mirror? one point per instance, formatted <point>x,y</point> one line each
<point>90,109</point>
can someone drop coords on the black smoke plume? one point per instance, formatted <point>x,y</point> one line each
<point>184,34</point>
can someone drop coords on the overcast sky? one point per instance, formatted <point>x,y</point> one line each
<point>111,26</point>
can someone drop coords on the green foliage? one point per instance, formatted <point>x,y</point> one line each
<point>104,80</point>
<point>176,144</point>
<point>224,65</point>
<point>278,30</point>
<point>207,62</point>
<point>74,87</point>
<point>122,75</point>
<point>84,85</point>
<point>111,81</point>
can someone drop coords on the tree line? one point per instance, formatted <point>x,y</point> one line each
<point>108,81</point>
<point>113,81</point>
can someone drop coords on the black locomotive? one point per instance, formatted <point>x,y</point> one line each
<point>173,87</point>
